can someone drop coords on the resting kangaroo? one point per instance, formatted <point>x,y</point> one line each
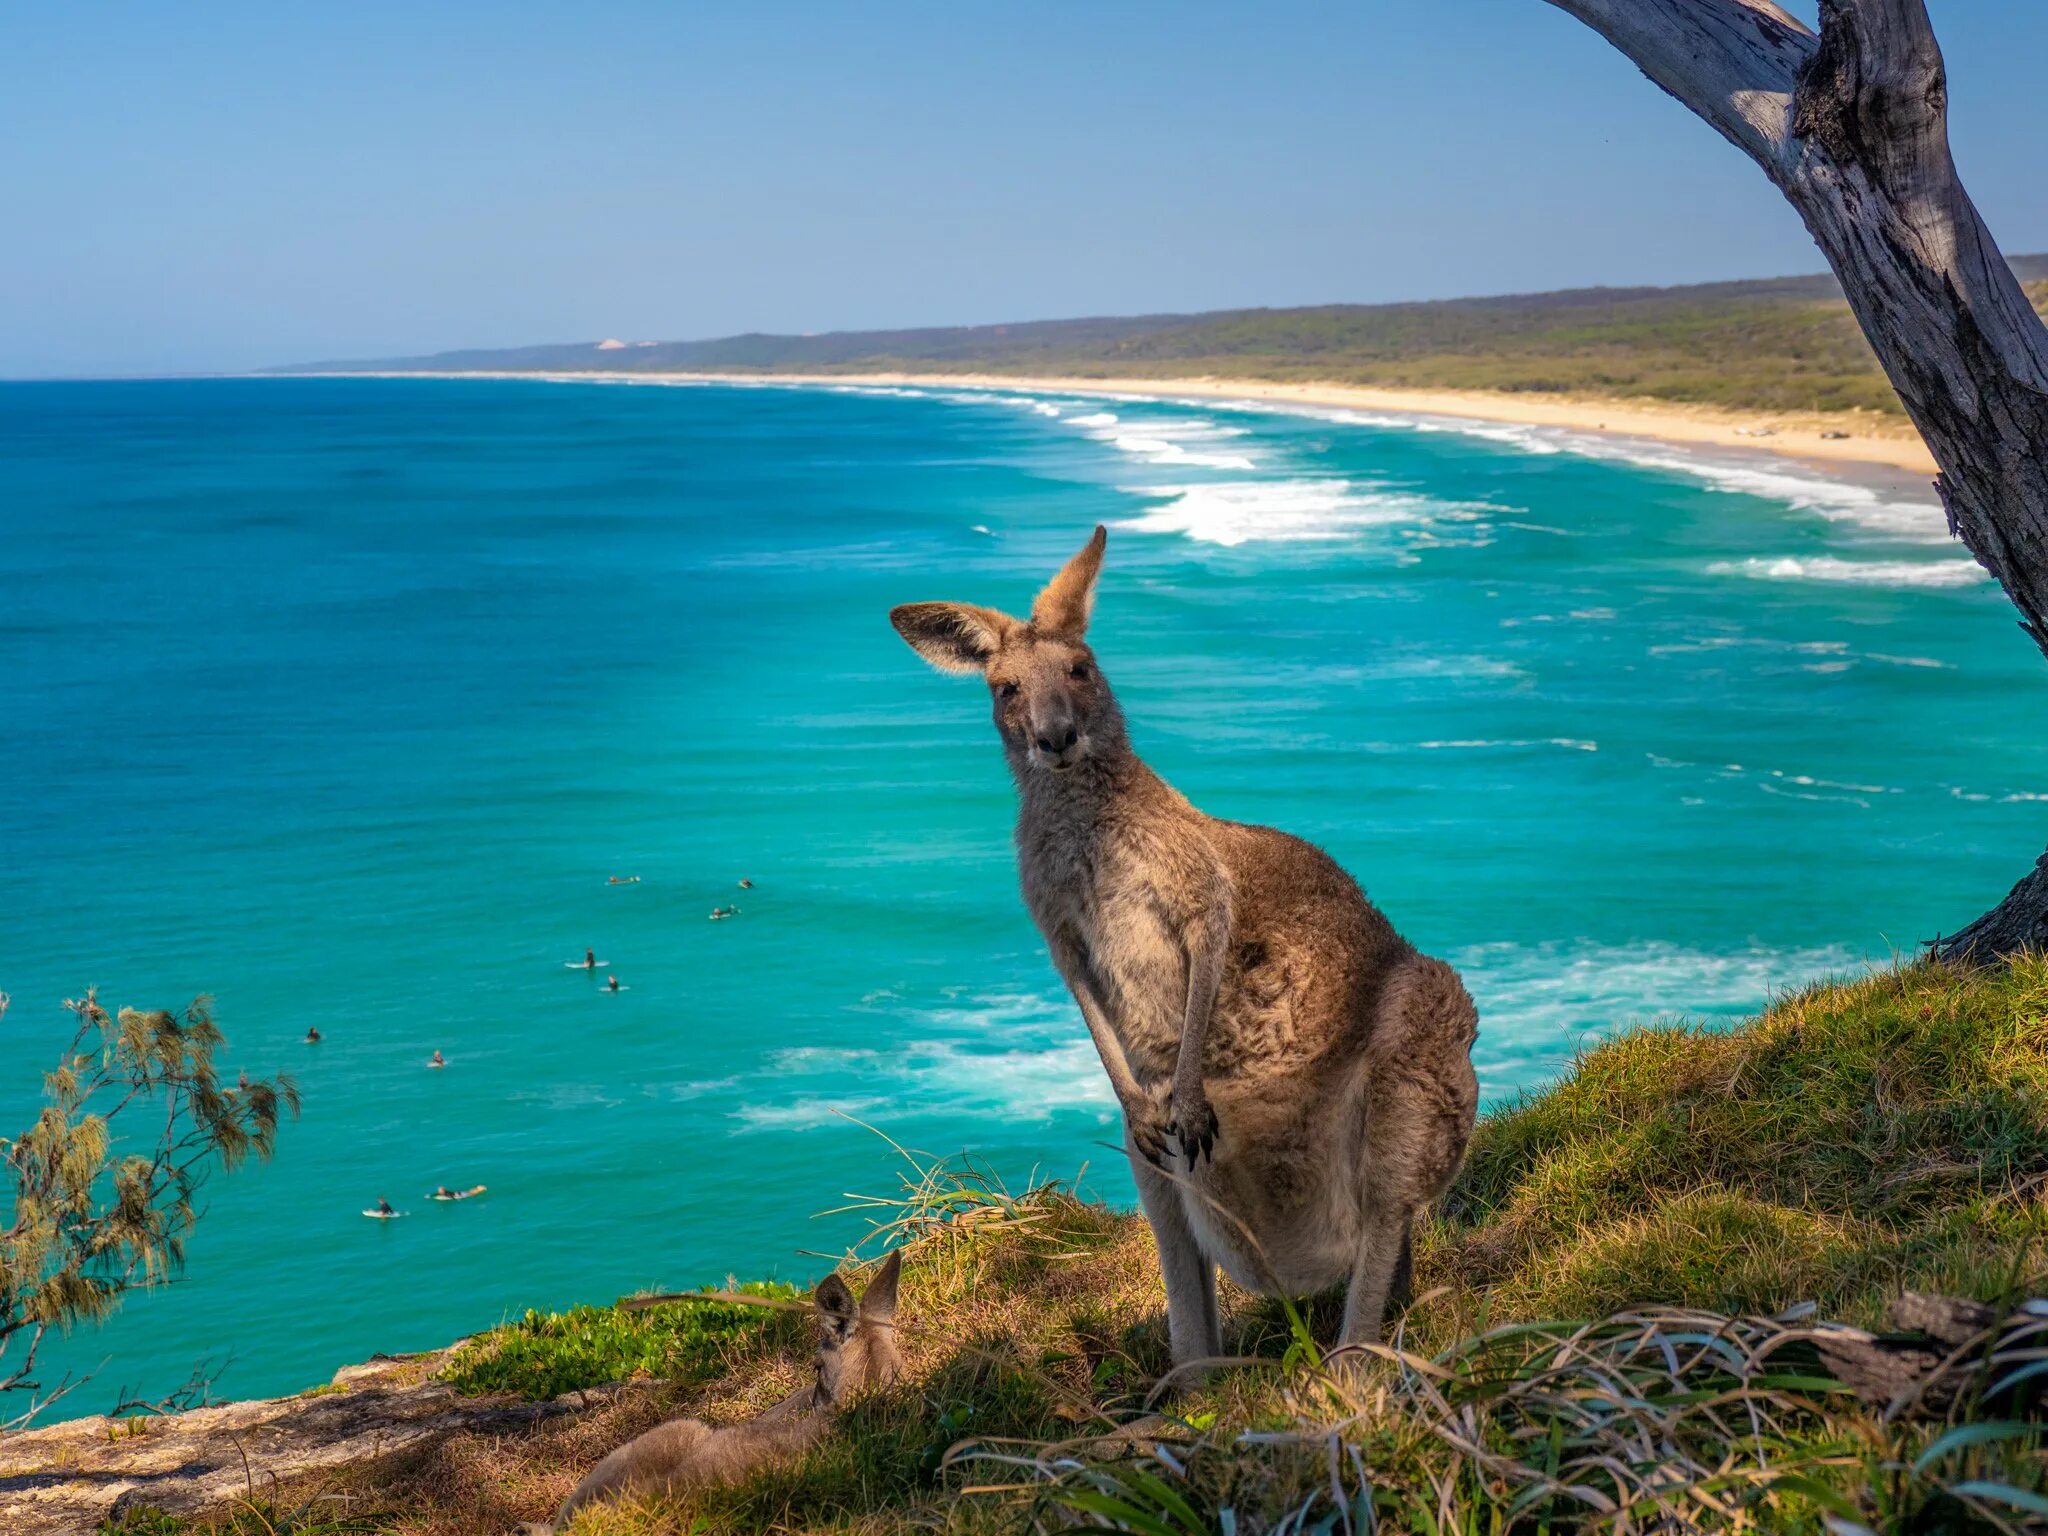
<point>1312,1068</point>
<point>856,1351</point>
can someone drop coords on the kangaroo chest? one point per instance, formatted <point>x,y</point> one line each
<point>1098,900</point>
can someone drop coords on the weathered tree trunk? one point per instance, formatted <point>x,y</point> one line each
<point>1852,126</point>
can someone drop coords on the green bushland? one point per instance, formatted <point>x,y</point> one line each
<point>1678,1190</point>
<point>1776,345</point>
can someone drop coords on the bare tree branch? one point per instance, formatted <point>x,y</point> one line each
<point>1733,62</point>
<point>1853,129</point>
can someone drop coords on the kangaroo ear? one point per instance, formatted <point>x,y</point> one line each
<point>1062,609</point>
<point>837,1310</point>
<point>954,637</point>
<point>878,1302</point>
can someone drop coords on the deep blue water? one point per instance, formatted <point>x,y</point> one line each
<point>340,700</point>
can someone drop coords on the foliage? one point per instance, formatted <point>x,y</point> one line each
<point>1779,344</point>
<point>545,1354</point>
<point>1653,1420</point>
<point>1889,1133</point>
<point>249,1517</point>
<point>90,1224</point>
<point>1854,1141</point>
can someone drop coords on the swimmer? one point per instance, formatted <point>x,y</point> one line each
<point>312,1036</point>
<point>437,1060</point>
<point>611,983</point>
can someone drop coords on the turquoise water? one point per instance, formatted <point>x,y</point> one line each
<point>342,699</point>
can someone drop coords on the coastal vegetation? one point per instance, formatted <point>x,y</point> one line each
<point>1617,1322</point>
<point>92,1219</point>
<point>1777,344</point>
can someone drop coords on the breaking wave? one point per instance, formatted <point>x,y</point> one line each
<point>1861,573</point>
<point>1230,513</point>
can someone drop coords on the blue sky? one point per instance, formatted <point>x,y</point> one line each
<point>219,186</point>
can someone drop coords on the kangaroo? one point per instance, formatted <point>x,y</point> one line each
<point>1254,1012</point>
<point>856,1352</point>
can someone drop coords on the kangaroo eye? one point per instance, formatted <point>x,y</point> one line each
<point>1006,690</point>
<point>1078,671</point>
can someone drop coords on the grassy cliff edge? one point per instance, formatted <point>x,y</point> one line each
<point>1601,1332</point>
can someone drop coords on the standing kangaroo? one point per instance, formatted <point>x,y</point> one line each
<point>1247,1001</point>
<point>856,1351</point>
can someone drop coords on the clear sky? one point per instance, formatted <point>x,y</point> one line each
<point>225,185</point>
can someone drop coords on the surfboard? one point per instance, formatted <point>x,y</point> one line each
<point>383,1215</point>
<point>578,965</point>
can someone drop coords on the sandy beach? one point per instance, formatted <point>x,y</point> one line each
<point>1885,442</point>
<point>1848,440</point>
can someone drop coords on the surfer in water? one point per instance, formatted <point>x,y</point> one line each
<point>443,1192</point>
<point>590,959</point>
<point>312,1036</point>
<point>746,885</point>
<point>437,1060</point>
<point>611,983</point>
<point>384,1207</point>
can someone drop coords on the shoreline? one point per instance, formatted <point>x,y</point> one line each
<point>1873,443</point>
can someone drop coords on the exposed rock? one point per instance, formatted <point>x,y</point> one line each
<point>65,1479</point>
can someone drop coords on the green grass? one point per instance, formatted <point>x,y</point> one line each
<point>257,1517</point>
<point>545,1354</point>
<point>1855,1141</point>
<point>1676,1191</point>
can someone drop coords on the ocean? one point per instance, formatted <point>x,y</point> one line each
<point>342,701</point>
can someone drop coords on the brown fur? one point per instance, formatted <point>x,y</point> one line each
<point>1253,1010</point>
<point>856,1351</point>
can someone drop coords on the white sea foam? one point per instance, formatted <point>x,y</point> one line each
<point>1489,668</point>
<point>1161,450</point>
<point>1539,1004</point>
<point>1888,516</point>
<point>1025,1084</point>
<point>1022,1054</point>
<point>810,1113</point>
<point>2009,797</point>
<point>1862,573</point>
<point>1163,440</point>
<point>1487,744</point>
<point>1839,501</point>
<point>1299,510</point>
<point>1779,781</point>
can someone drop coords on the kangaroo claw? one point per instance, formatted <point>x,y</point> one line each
<point>1149,1131</point>
<point>1196,1131</point>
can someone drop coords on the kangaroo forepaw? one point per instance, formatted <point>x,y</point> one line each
<point>1194,1127</point>
<point>1150,1127</point>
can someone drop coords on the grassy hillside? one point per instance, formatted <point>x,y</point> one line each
<point>1780,344</point>
<point>1678,1188</point>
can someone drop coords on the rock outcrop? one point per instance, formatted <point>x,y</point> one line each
<point>66,1479</point>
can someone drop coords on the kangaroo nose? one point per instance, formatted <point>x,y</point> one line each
<point>1059,740</point>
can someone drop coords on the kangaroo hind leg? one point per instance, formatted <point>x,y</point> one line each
<point>1193,1326</point>
<point>1421,1099</point>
